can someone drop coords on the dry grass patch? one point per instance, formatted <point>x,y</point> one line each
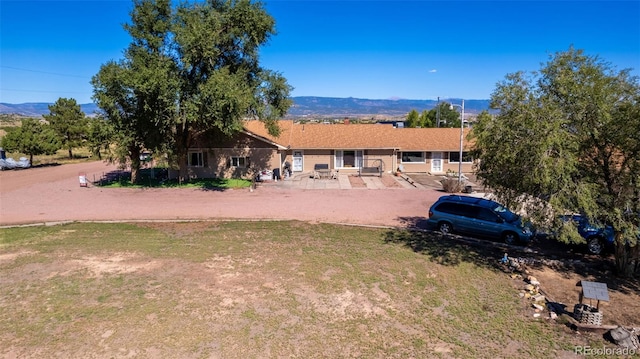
<point>255,289</point>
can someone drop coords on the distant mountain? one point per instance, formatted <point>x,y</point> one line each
<point>36,109</point>
<point>303,106</point>
<point>333,106</point>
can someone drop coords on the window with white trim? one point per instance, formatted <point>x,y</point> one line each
<point>348,158</point>
<point>412,157</point>
<point>196,159</point>
<point>239,162</point>
<point>454,157</point>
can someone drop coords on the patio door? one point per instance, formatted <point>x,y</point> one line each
<point>297,161</point>
<point>436,162</point>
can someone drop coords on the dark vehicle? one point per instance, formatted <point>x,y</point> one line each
<point>598,238</point>
<point>477,217</point>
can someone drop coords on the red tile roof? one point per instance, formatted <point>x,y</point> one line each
<point>361,136</point>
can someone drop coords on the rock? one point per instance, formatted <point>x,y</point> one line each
<point>538,298</point>
<point>521,294</point>
<point>529,287</point>
<point>553,315</point>
<point>536,315</point>
<point>533,280</point>
<point>625,338</point>
<point>538,306</point>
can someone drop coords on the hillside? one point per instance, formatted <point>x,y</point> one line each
<point>333,106</point>
<point>36,109</point>
<point>304,106</point>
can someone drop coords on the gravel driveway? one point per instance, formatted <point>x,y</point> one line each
<point>53,194</point>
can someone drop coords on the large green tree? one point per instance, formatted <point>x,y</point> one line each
<point>443,115</point>
<point>100,136</point>
<point>567,140</point>
<point>413,119</point>
<point>447,116</point>
<point>69,122</point>
<point>32,138</point>
<point>139,93</point>
<point>426,121</point>
<point>419,120</point>
<point>191,69</point>
<point>222,83</point>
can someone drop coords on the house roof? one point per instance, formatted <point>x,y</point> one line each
<point>360,136</point>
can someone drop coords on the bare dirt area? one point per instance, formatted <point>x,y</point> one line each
<point>51,194</point>
<point>357,182</point>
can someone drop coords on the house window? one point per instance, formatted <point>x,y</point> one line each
<point>412,157</point>
<point>348,158</point>
<point>454,157</point>
<point>196,159</point>
<point>239,162</point>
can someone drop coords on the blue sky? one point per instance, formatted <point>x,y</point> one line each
<point>418,49</point>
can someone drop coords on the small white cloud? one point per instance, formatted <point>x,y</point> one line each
<point>432,71</point>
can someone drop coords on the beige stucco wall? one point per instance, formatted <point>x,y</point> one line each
<point>425,167</point>
<point>386,156</point>
<point>259,159</point>
<point>324,156</point>
<point>313,157</point>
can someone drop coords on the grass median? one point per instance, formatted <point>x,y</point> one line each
<point>258,289</point>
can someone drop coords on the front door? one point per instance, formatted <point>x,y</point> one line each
<point>436,162</point>
<point>297,161</point>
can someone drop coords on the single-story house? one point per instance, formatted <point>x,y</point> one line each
<point>343,147</point>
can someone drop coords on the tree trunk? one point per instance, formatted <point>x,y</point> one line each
<point>635,255</point>
<point>135,164</point>
<point>182,151</point>
<point>626,262</point>
<point>183,163</point>
<point>70,154</point>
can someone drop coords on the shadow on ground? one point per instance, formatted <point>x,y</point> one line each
<point>450,250</point>
<point>564,259</point>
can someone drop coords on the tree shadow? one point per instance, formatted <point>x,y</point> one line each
<point>449,250</point>
<point>453,249</point>
<point>45,165</point>
<point>413,222</point>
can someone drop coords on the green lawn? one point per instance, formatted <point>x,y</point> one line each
<point>259,289</point>
<point>147,179</point>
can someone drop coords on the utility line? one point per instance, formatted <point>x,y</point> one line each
<point>18,90</point>
<point>42,72</point>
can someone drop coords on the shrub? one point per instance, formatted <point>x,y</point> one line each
<point>451,185</point>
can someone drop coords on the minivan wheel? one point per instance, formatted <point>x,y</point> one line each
<point>445,228</point>
<point>594,245</point>
<point>510,237</point>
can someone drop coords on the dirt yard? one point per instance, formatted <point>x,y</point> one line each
<point>53,194</point>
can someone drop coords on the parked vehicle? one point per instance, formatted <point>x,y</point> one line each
<point>599,238</point>
<point>478,217</point>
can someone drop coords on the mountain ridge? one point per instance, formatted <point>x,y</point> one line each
<point>303,106</point>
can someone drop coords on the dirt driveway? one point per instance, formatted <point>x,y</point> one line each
<point>52,194</point>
